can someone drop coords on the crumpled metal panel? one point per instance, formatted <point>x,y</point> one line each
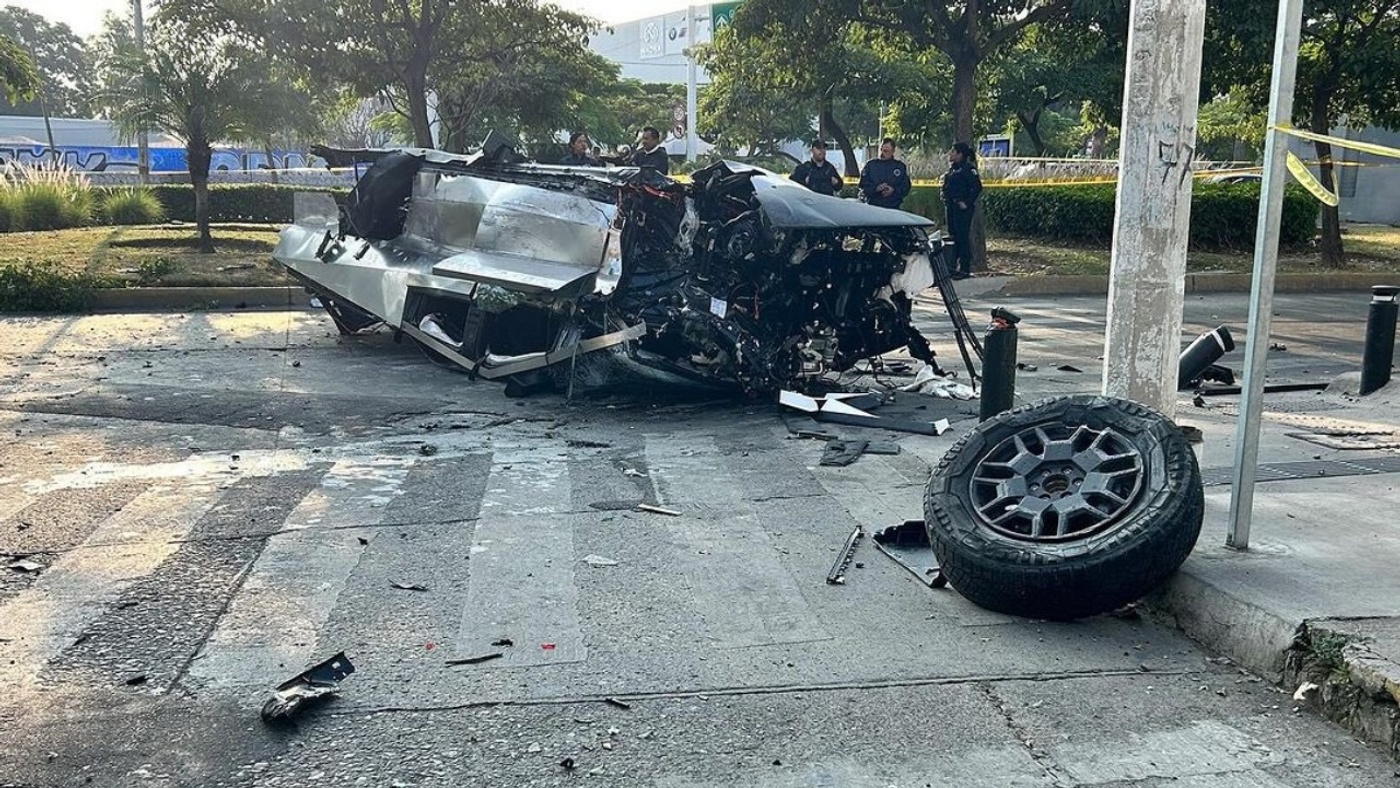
<point>465,212</point>
<point>790,205</point>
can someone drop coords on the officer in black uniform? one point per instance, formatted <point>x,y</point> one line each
<point>885,181</point>
<point>817,173</point>
<point>651,154</point>
<point>961,188</point>
<point>579,154</point>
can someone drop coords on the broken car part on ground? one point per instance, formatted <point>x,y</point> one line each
<point>512,270</point>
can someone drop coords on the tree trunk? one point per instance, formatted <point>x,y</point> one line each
<point>964,96</point>
<point>417,85</point>
<point>828,122</point>
<point>964,100</point>
<point>1333,255</point>
<point>1032,127</point>
<point>198,155</point>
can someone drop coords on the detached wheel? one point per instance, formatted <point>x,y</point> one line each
<point>1065,508</point>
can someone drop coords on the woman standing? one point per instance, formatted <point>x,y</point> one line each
<point>961,188</point>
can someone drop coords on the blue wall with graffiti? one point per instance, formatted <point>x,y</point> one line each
<point>123,159</point>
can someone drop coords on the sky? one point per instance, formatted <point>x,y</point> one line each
<point>85,16</point>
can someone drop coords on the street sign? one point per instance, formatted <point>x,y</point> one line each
<point>653,42</point>
<point>722,15</point>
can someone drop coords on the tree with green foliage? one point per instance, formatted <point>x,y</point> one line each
<point>19,79</point>
<point>616,113</point>
<point>59,59</point>
<point>198,88</point>
<point>1348,73</point>
<point>748,105</point>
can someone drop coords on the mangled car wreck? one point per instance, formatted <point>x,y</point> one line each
<point>512,270</point>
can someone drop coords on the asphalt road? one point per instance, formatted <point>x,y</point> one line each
<point>219,499</point>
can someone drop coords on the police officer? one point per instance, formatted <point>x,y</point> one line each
<point>885,181</point>
<point>817,173</point>
<point>961,188</point>
<point>579,155</point>
<point>650,153</point>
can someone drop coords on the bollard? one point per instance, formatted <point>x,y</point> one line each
<point>999,364</point>
<point>1206,350</point>
<point>1379,353</point>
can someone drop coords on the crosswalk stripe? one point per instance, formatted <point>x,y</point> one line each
<point>354,492</point>
<point>44,618</point>
<point>522,562</point>
<point>728,563</point>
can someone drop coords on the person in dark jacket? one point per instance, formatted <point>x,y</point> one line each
<point>650,153</point>
<point>579,152</point>
<point>961,188</point>
<point>885,181</point>
<point>817,173</point>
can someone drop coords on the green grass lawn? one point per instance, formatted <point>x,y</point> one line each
<point>159,255</point>
<point>1369,247</point>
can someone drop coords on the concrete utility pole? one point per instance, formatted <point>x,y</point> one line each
<point>143,141</point>
<point>1148,277</point>
<point>1261,297</point>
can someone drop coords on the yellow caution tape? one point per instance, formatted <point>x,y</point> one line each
<point>1304,176</point>
<point>1341,142</point>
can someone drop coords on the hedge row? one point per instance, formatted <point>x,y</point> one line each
<point>263,203</point>
<point>1223,215</point>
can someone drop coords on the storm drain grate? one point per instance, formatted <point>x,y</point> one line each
<point>1307,469</point>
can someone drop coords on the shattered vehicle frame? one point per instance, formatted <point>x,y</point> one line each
<point>513,270</point>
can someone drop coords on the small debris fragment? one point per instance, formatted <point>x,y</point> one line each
<point>1303,690</point>
<point>135,680</point>
<point>476,660</point>
<point>1068,368</point>
<point>548,646</point>
<point>407,586</point>
<point>621,704</point>
<point>363,541</point>
<point>614,732</point>
<point>296,363</point>
<point>427,450</point>
<point>777,762</point>
<point>1024,367</point>
<point>1278,348</point>
<point>568,764</point>
<point>315,683</point>
<point>646,507</point>
<point>577,443</point>
<point>1222,692</point>
<point>633,473</point>
<point>26,566</point>
<point>534,748</point>
<point>598,560</point>
<point>503,643</point>
<point>1199,401</point>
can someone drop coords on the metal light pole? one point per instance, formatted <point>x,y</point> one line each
<point>143,141</point>
<point>1261,296</point>
<point>691,138</point>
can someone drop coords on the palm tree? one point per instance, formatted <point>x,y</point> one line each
<point>197,86</point>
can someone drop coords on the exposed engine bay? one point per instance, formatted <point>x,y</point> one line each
<point>508,269</point>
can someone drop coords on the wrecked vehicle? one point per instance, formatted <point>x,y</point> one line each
<point>513,270</point>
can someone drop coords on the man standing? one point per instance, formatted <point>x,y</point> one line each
<point>961,188</point>
<point>817,173</point>
<point>579,145</point>
<point>885,181</point>
<point>651,154</point>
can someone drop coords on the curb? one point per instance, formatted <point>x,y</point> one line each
<point>1249,635</point>
<point>159,299</point>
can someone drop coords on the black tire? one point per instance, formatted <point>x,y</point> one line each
<point>1103,537</point>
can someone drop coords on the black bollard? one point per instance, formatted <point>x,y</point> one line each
<point>1379,353</point>
<point>1206,350</point>
<point>999,364</point>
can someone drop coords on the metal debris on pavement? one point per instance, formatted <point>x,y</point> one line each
<point>135,680</point>
<point>598,560</point>
<point>475,660</point>
<point>633,473</point>
<point>837,575</point>
<point>1024,367</point>
<point>568,764</point>
<point>1068,368</point>
<point>839,409</point>
<point>315,683</point>
<point>407,586</point>
<point>1303,689</point>
<point>28,567</point>
<point>503,643</point>
<point>907,544</point>
<point>621,704</point>
<point>646,507</point>
<point>427,450</point>
<point>839,453</point>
